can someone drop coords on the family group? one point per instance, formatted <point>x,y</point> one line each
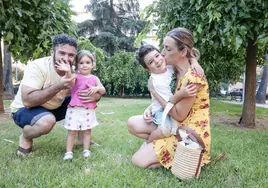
<point>62,87</point>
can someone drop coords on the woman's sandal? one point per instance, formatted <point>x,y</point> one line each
<point>24,152</point>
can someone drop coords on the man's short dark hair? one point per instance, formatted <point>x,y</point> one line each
<point>142,52</point>
<point>63,39</point>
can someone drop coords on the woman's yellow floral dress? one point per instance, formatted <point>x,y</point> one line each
<point>197,119</point>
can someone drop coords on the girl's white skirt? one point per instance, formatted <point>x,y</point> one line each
<point>80,118</point>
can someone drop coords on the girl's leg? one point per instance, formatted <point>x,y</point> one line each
<point>80,138</point>
<point>70,140</point>
<point>138,127</point>
<point>87,138</point>
<point>145,157</point>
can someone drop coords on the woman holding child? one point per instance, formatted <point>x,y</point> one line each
<point>191,111</point>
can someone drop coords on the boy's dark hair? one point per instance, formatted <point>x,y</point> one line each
<point>142,52</point>
<point>63,39</point>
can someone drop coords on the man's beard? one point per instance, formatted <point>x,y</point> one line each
<point>54,58</point>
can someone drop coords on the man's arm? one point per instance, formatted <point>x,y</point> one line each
<point>32,97</point>
<point>88,96</point>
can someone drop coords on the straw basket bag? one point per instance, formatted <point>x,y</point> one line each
<point>189,152</point>
<point>188,156</point>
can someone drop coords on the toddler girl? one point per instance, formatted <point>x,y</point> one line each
<point>81,116</point>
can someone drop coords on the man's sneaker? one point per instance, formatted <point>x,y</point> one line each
<point>68,156</point>
<point>86,153</point>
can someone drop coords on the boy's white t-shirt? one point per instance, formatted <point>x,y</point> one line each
<point>40,74</point>
<point>161,83</point>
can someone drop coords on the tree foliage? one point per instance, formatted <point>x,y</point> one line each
<point>226,33</point>
<point>114,26</point>
<point>125,76</point>
<point>28,26</point>
<point>119,74</point>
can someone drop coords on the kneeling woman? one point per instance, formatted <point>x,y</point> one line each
<point>192,111</point>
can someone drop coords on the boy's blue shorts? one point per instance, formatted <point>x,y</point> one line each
<point>25,116</point>
<point>157,119</point>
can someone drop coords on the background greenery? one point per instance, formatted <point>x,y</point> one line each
<point>244,166</point>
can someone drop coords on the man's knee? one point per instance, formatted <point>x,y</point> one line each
<point>46,124</point>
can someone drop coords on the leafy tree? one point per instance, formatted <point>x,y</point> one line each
<point>227,34</point>
<point>126,77</point>
<point>114,26</point>
<point>28,27</point>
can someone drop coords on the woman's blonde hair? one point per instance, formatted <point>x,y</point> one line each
<point>83,53</point>
<point>184,40</point>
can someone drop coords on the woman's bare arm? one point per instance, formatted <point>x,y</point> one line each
<point>181,108</point>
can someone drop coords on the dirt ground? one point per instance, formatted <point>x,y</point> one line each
<point>261,123</point>
<point>5,116</point>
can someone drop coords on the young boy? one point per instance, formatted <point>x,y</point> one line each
<point>161,76</point>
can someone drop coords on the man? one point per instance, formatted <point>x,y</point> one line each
<point>42,99</point>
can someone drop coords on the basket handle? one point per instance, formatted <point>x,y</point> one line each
<point>193,135</point>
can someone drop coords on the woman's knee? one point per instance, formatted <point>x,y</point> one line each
<point>140,159</point>
<point>131,124</point>
<point>137,161</point>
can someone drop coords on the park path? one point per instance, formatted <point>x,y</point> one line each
<point>258,105</point>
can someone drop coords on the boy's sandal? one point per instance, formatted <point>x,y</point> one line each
<point>24,152</point>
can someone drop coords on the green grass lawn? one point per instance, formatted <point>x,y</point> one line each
<point>245,165</point>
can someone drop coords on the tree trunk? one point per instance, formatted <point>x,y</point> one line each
<point>7,79</point>
<point>1,80</point>
<point>249,107</point>
<point>261,94</point>
<point>122,92</point>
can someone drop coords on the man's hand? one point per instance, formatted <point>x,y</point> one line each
<point>67,82</point>
<point>63,66</point>
<point>84,96</point>
<point>92,89</point>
